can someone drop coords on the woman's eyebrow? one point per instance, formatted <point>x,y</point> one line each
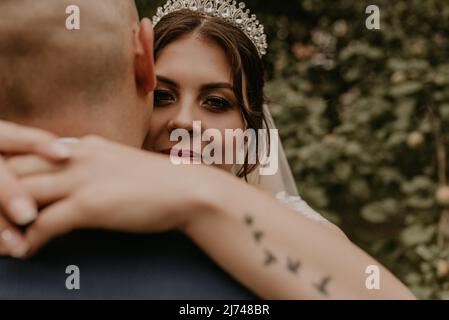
<point>167,81</point>
<point>217,85</point>
<point>205,87</point>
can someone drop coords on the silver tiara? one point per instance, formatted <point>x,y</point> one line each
<point>226,9</point>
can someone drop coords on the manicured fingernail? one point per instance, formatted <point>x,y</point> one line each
<point>69,140</point>
<point>61,149</point>
<point>23,211</point>
<point>16,247</point>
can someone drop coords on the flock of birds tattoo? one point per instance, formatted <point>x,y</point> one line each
<point>292,265</point>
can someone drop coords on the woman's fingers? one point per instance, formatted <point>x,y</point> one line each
<point>48,188</point>
<point>40,184</point>
<point>18,139</point>
<point>54,221</point>
<point>17,204</point>
<point>12,242</point>
<point>27,165</point>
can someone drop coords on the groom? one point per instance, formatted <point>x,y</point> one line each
<point>96,80</point>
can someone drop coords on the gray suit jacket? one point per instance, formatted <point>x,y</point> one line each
<point>119,266</point>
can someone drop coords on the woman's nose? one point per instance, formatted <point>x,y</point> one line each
<point>183,119</point>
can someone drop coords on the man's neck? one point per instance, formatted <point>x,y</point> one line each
<point>112,126</point>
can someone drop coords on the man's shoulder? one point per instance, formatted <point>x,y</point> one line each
<point>119,266</point>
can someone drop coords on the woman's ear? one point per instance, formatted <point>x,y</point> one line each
<point>144,57</point>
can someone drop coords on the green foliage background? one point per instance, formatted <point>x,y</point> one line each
<point>360,113</point>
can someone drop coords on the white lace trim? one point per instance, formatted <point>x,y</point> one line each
<point>299,205</point>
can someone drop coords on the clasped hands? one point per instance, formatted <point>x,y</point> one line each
<point>93,184</point>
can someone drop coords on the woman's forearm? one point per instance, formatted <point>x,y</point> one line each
<point>274,251</point>
<point>280,254</point>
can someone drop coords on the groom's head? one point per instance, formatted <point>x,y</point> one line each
<point>95,80</point>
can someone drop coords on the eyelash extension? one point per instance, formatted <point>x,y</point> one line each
<point>157,93</point>
<point>226,103</point>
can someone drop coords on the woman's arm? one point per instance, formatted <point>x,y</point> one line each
<point>275,251</point>
<point>278,253</point>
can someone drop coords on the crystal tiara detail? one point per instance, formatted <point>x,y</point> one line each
<point>225,9</point>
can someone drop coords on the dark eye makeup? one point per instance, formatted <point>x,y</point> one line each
<point>213,103</point>
<point>217,104</point>
<point>163,97</point>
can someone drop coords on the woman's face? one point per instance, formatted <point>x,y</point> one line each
<point>194,83</point>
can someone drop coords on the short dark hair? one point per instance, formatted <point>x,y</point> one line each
<point>43,65</point>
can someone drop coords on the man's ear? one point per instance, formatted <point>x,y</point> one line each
<point>144,57</point>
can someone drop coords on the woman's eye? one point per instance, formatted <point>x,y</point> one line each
<point>163,97</point>
<point>217,104</point>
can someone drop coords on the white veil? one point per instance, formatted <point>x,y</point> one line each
<point>283,180</point>
<point>282,184</point>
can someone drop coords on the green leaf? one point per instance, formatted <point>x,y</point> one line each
<point>379,212</point>
<point>417,234</point>
<point>405,89</point>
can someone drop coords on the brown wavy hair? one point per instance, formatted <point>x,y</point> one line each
<point>242,54</point>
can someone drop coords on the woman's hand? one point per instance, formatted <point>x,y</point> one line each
<point>17,206</point>
<point>106,186</point>
<point>272,250</point>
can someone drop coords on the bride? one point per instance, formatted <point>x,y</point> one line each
<point>193,53</point>
<point>208,57</point>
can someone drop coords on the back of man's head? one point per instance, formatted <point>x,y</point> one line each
<point>49,72</point>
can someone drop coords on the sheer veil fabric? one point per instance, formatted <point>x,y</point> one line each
<point>282,184</point>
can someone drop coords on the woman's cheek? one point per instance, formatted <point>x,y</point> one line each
<point>152,137</point>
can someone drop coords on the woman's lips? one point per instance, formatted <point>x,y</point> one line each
<point>182,153</point>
